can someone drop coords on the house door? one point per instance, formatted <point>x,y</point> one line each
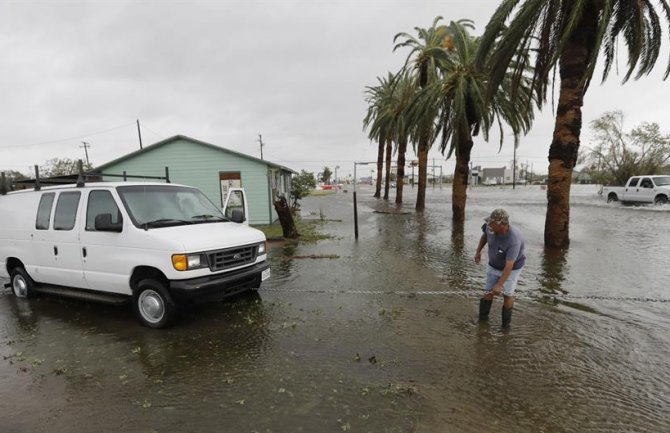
<point>228,180</point>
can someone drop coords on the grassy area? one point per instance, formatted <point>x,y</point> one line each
<point>309,230</point>
<point>320,192</point>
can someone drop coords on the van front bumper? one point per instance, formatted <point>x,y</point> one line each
<point>218,286</point>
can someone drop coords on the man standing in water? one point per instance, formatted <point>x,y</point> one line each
<point>506,259</point>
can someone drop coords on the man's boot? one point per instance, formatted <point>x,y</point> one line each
<point>484,308</point>
<point>506,317</point>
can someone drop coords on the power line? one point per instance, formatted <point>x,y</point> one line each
<point>66,139</point>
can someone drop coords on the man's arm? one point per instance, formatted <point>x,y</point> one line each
<point>478,254</point>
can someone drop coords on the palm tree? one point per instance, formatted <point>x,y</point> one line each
<point>404,93</point>
<point>378,120</point>
<point>426,50</point>
<point>569,35</point>
<point>464,111</point>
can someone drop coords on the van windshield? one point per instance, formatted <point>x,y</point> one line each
<point>665,180</point>
<point>151,206</point>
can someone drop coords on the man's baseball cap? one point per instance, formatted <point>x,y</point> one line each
<point>499,216</point>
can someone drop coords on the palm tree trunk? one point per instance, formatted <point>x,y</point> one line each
<point>423,172</point>
<point>402,149</point>
<point>565,143</point>
<point>380,164</point>
<point>461,173</point>
<point>389,150</point>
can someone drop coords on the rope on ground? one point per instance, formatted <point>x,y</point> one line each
<point>467,294</point>
<point>456,293</point>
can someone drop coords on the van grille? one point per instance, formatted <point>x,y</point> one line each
<point>231,257</point>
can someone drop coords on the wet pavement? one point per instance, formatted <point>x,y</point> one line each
<point>381,338</point>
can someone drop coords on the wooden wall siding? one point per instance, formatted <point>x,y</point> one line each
<point>196,165</point>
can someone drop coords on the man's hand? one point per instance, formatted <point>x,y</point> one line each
<point>478,257</point>
<point>497,289</point>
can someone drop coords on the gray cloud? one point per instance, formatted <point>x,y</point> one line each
<point>223,72</point>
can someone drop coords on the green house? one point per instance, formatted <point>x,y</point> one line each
<point>210,168</point>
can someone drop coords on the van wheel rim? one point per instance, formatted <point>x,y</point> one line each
<point>152,307</point>
<point>20,286</point>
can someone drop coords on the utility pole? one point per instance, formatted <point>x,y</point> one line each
<point>86,146</point>
<point>139,133</point>
<point>260,140</point>
<point>470,177</point>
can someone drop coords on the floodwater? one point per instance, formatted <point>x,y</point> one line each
<point>379,335</point>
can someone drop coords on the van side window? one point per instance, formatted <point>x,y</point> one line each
<point>44,211</point>
<point>632,183</point>
<point>101,202</point>
<point>66,210</point>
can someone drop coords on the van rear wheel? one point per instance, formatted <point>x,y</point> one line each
<point>22,285</point>
<point>153,304</point>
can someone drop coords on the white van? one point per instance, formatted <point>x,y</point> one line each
<point>156,244</point>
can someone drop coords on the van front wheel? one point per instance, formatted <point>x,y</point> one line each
<point>22,285</point>
<point>153,304</point>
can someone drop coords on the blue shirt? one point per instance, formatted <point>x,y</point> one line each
<point>505,247</point>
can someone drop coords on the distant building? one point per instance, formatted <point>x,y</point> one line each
<point>582,177</point>
<point>494,176</point>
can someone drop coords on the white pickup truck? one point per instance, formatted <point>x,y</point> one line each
<point>640,189</point>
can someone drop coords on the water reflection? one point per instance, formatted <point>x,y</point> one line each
<point>554,264</point>
<point>458,262</point>
<point>281,262</point>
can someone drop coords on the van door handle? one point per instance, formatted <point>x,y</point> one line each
<point>83,251</point>
<point>55,250</point>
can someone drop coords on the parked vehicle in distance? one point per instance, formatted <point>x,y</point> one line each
<point>158,245</point>
<point>640,189</point>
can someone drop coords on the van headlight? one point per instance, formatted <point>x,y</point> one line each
<point>187,262</point>
<point>262,247</point>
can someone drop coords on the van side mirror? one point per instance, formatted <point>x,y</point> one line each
<point>237,216</point>
<point>103,223</point>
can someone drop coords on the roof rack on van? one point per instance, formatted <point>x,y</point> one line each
<point>126,176</point>
<point>80,179</point>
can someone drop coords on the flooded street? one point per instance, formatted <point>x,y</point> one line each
<point>380,337</point>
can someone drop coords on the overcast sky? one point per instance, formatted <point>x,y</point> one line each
<point>225,71</point>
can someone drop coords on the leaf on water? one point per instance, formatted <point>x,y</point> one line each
<point>372,359</point>
<point>136,349</point>
<point>357,358</point>
<point>240,402</point>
